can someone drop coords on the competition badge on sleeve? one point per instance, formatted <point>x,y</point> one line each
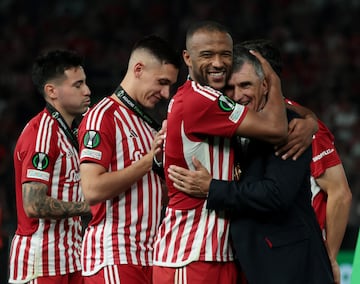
<point>91,139</point>
<point>40,161</point>
<point>228,105</point>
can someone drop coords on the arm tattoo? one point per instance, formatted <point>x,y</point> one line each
<point>39,205</point>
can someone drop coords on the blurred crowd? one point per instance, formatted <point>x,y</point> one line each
<point>319,40</point>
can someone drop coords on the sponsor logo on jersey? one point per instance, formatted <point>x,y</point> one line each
<point>91,139</point>
<point>226,104</point>
<point>40,161</point>
<point>133,134</point>
<point>323,154</point>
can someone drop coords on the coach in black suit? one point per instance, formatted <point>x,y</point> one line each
<point>273,227</point>
<point>274,231</point>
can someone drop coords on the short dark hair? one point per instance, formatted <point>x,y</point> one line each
<point>268,50</point>
<point>241,56</point>
<point>160,48</point>
<point>52,65</point>
<point>207,26</point>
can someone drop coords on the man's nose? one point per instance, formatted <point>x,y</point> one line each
<point>218,61</point>
<point>165,92</point>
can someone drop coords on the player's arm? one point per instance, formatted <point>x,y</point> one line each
<point>301,131</point>
<point>271,123</point>
<point>37,204</point>
<point>334,182</point>
<point>98,184</point>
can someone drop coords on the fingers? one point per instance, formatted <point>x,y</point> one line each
<point>176,177</point>
<point>268,71</point>
<point>262,60</point>
<point>164,125</point>
<point>197,164</point>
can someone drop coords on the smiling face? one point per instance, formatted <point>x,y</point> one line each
<point>209,57</point>
<point>154,82</point>
<point>246,88</point>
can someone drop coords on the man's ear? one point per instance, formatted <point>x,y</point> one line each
<point>186,57</point>
<point>265,87</point>
<point>138,69</point>
<point>50,90</point>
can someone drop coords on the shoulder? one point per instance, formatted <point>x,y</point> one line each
<point>97,114</point>
<point>42,124</point>
<point>193,88</point>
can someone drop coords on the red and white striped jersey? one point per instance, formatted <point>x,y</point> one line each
<point>324,156</point>
<point>122,230</point>
<point>43,247</point>
<point>201,122</point>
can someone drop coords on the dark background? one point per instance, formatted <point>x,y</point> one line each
<point>319,41</point>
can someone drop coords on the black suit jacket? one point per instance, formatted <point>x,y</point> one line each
<point>273,227</point>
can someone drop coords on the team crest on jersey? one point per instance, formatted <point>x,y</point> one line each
<point>226,104</point>
<point>91,139</point>
<point>40,161</point>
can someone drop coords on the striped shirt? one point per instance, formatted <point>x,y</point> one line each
<point>200,123</point>
<point>122,230</point>
<point>44,247</point>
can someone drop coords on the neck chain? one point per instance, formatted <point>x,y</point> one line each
<point>71,134</point>
<point>136,108</point>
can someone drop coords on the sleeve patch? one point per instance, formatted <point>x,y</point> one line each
<point>37,174</point>
<point>226,104</point>
<point>236,114</point>
<point>40,161</point>
<point>91,139</point>
<point>89,153</point>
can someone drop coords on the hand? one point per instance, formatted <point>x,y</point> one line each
<point>157,146</point>
<point>270,75</point>
<point>299,138</point>
<point>336,271</point>
<point>195,183</point>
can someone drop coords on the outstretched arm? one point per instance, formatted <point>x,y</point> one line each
<point>300,133</point>
<point>272,189</point>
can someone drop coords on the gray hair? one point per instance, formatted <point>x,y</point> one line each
<point>241,56</point>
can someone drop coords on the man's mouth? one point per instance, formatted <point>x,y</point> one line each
<point>217,75</point>
<point>244,103</point>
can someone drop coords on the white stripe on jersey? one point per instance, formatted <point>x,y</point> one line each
<point>184,230</point>
<point>44,134</point>
<point>206,91</point>
<point>96,114</point>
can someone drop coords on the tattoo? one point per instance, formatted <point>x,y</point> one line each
<point>39,205</point>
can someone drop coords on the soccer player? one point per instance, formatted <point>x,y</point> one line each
<point>47,244</point>
<point>118,142</point>
<point>192,244</point>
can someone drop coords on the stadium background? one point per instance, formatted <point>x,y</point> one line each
<point>319,40</point>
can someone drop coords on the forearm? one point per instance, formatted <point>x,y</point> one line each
<point>38,205</point>
<point>100,186</point>
<point>337,214</point>
<point>302,111</point>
